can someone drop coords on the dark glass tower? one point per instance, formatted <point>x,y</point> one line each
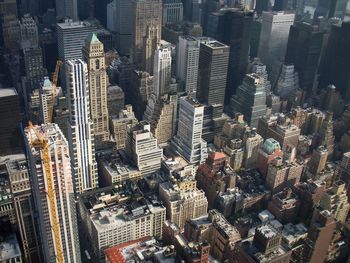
<point>303,51</point>
<point>250,99</point>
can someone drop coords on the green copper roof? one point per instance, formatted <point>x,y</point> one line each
<point>92,39</point>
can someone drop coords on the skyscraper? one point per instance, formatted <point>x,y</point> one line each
<point>273,40</point>
<point>303,51</point>
<point>29,32</point>
<point>146,31</point>
<point>212,73</point>
<point>21,186</point>
<point>95,59</point>
<point>67,9</point>
<point>188,141</point>
<point>80,127</point>
<point>250,99</point>
<point>53,192</point>
<point>187,63</point>
<point>234,31</point>
<point>288,82</point>
<point>172,11</point>
<point>162,70</point>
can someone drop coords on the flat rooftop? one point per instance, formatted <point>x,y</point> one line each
<point>7,92</point>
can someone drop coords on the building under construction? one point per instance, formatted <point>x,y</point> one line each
<point>50,167</point>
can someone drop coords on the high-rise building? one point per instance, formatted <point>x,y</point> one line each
<point>319,236</point>
<point>266,154</point>
<point>123,25</point>
<point>255,66</point>
<point>119,126</point>
<point>288,82</point>
<point>162,70</point>
<point>21,186</point>
<point>183,200</point>
<point>212,72</point>
<point>115,99</point>
<point>172,12</point>
<point>53,193</point>
<point>95,59</point>
<point>161,114</point>
<point>8,7</point>
<point>303,51</point>
<point>250,99</point>
<point>329,9</point>
<point>234,31</point>
<point>188,141</point>
<point>187,63</point>
<point>146,31</point>
<point>10,115</point>
<point>252,143</point>
<point>336,55</point>
<point>80,128</point>
<point>29,32</point>
<point>46,107</point>
<point>67,9</point>
<point>143,148</point>
<point>326,136</point>
<point>273,40</point>
<point>10,33</point>
<point>335,200</point>
<point>318,160</point>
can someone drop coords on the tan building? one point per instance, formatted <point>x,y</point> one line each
<point>161,113</point>
<point>146,31</point>
<point>336,201</point>
<point>119,126</point>
<point>183,200</point>
<point>17,170</point>
<point>95,59</point>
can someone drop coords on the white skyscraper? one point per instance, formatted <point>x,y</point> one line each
<point>187,62</point>
<point>273,40</point>
<point>162,70</point>
<point>188,141</point>
<point>46,93</point>
<point>80,126</point>
<point>53,192</point>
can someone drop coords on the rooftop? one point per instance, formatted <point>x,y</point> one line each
<point>6,92</point>
<point>9,249</point>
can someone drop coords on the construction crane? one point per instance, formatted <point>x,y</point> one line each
<point>54,88</point>
<point>42,143</point>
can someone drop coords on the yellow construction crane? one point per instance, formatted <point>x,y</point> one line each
<point>42,143</point>
<point>54,86</point>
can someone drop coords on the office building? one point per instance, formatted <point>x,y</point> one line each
<point>288,82</point>
<point>335,200</point>
<point>10,115</point>
<point>183,200</point>
<point>146,31</point>
<point>143,149</point>
<point>326,135</point>
<point>187,63</point>
<point>67,9</point>
<point>162,70</point>
<point>29,32</point>
<point>17,170</point>
<point>115,100</point>
<point>304,48</point>
<point>267,153</point>
<point>109,220</point>
<point>330,9</point>
<point>7,208</point>
<point>284,206</point>
<point>212,72</point>
<point>252,142</point>
<point>255,66</point>
<point>120,21</point>
<point>53,193</point>
<point>80,128</point>
<point>250,99</point>
<point>281,174</point>
<point>234,30</point>
<point>319,236</point>
<point>273,40</point>
<point>8,7</point>
<point>10,33</point>
<point>46,101</point>
<point>336,55</point>
<point>161,113</point>
<point>94,57</point>
<point>119,125</point>
<point>188,140</point>
<point>285,134</point>
<point>172,12</point>
<point>71,37</point>
<point>219,233</point>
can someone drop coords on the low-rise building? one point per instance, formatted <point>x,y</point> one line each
<point>115,215</point>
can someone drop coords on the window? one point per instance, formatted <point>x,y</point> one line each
<point>97,64</point>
